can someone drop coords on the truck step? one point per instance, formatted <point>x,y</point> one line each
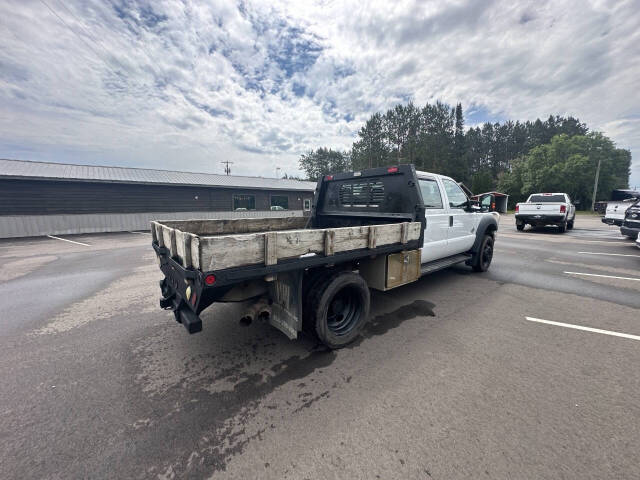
<point>443,263</point>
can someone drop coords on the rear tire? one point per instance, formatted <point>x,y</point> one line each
<point>481,260</point>
<point>340,308</point>
<point>562,227</point>
<point>570,224</point>
<point>520,226</point>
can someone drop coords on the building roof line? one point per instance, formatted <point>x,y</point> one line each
<point>10,168</point>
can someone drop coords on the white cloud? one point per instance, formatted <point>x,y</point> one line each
<point>184,85</point>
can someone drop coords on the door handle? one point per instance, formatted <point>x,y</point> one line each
<point>451,220</point>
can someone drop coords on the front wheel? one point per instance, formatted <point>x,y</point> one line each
<point>340,308</point>
<point>481,260</point>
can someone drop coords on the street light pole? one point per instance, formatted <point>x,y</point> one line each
<point>595,187</point>
<point>595,184</point>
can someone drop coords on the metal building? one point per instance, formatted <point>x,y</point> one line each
<point>41,198</point>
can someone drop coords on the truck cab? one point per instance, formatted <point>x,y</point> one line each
<point>451,221</point>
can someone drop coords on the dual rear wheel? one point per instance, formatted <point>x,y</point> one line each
<point>338,308</point>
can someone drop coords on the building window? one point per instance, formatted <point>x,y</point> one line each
<point>244,202</point>
<point>307,204</point>
<point>279,202</point>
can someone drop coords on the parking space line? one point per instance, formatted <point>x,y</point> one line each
<point>611,254</point>
<point>586,329</point>
<point>604,276</point>
<point>70,241</point>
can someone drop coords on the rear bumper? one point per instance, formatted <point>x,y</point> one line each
<point>540,219</point>
<point>612,221</point>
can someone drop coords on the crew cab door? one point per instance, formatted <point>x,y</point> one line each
<point>436,232</point>
<point>462,224</point>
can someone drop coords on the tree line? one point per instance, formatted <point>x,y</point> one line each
<point>518,158</point>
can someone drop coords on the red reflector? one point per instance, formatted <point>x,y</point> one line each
<point>563,208</point>
<point>329,177</point>
<point>517,208</point>
<point>210,279</point>
<point>392,170</point>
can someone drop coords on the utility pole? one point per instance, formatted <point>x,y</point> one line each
<point>595,184</point>
<point>227,168</point>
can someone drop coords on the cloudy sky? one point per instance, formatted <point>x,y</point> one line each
<point>182,85</point>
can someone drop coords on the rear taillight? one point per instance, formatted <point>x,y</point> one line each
<point>392,170</point>
<point>329,177</point>
<point>517,208</point>
<point>563,208</point>
<point>210,279</point>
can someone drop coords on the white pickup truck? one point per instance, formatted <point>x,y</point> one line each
<point>380,228</point>
<point>542,209</point>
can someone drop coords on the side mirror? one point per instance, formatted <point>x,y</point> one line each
<point>473,206</point>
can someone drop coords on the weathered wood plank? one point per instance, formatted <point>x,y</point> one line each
<point>237,225</point>
<point>226,251</point>
<point>229,251</point>
<point>154,236</point>
<point>351,238</point>
<point>195,251</point>
<point>405,233</point>
<point>183,243</point>
<point>173,248</point>
<point>180,245</point>
<point>329,236</point>
<point>300,242</point>
<point>372,236</point>
<point>270,248</point>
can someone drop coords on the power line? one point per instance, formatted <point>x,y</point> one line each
<point>80,37</point>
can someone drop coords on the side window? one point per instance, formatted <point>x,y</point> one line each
<point>430,193</point>
<point>307,204</point>
<point>486,203</point>
<point>457,198</point>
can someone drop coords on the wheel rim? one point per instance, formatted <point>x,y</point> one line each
<point>487,253</point>
<point>344,312</point>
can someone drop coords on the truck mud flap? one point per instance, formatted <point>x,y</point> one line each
<point>286,310</point>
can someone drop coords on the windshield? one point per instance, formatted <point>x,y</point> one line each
<point>547,198</point>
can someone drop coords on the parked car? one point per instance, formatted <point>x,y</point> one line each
<point>614,214</point>
<point>638,241</point>
<point>379,228</point>
<point>542,209</point>
<point>621,199</point>
<point>631,225</point>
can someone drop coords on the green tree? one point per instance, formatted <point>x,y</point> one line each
<point>324,161</point>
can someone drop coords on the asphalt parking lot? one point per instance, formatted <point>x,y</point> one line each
<point>455,377</point>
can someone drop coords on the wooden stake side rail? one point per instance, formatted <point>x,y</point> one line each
<point>274,243</point>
